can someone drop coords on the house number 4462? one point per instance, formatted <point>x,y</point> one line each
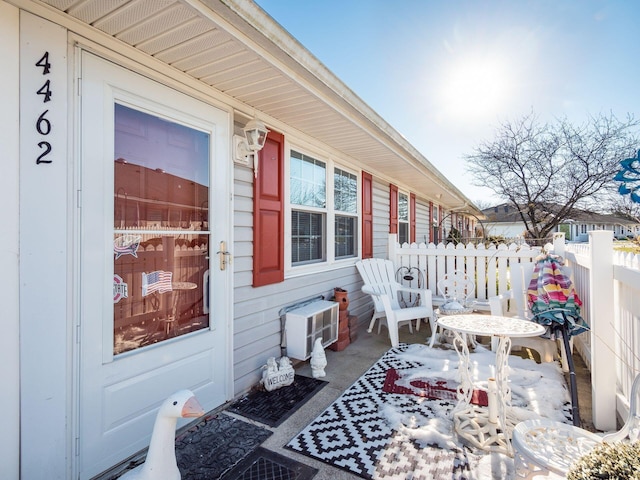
<point>43,125</point>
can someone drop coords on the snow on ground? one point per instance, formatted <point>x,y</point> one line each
<point>537,390</point>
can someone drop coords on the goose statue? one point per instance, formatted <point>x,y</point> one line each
<point>161,458</point>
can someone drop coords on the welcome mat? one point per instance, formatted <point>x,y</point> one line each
<point>380,435</point>
<point>264,464</point>
<point>273,408</point>
<point>433,388</point>
<point>216,445</point>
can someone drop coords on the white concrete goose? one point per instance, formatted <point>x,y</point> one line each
<point>161,458</point>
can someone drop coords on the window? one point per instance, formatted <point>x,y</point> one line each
<point>161,228</point>
<point>403,218</point>
<point>345,191</point>
<point>324,214</point>
<point>308,186</point>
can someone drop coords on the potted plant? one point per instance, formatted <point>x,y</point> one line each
<point>617,460</point>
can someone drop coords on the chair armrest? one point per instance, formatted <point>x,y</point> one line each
<point>498,303</point>
<point>380,296</point>
<point>483,305</point>
<point>369,290</point>
<point>425,294</point>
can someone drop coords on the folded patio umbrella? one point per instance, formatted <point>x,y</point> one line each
<point>554,303</point>
<point>553,300</point>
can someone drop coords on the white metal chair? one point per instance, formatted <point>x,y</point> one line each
<point>514,303</point>
<point>457,286</point>
<point>456,290</point>
<point>544,448</point>
<point>380,282</point>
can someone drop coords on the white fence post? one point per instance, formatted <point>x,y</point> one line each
<point>558,243</point>
<point>603,361</point>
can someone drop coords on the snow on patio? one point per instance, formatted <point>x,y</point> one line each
<point>380,435</point>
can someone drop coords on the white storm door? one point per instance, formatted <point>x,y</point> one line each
<point>155,308</point>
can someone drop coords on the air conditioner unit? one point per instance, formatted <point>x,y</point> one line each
<point>303,325</point>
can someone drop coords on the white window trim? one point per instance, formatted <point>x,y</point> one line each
<point>330,261</point>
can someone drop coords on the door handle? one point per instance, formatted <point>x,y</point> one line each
<point>224,256</point>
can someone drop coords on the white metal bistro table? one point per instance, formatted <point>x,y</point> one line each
<point>487,428</point>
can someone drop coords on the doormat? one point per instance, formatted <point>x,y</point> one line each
<point>273,408</point>
<point>432,388</point>
<point>264,464</point>
<point>213,447</point>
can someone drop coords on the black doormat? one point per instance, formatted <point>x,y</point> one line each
<point>273,408</point>
<point>213,447</point>
<point>264,464</point>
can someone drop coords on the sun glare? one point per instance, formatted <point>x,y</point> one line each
<point>475,88</point>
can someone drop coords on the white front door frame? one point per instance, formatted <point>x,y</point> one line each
<point>201,360</point>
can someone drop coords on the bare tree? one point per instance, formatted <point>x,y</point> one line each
<point>624,207</point>
<point>545,170</point>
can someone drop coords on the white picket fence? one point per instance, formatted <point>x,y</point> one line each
<point>608,283</point>
<point>425,265</point>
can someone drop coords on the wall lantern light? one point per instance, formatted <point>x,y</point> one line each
<point>255,135</point>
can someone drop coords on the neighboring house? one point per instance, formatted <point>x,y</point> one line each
<point>505,221</point>
<point>582,222</point>
<point>143,251</point>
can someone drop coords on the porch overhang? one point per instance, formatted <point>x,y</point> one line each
<point>236,48</point>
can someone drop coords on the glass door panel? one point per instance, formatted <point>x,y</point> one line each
<point>161,229</point>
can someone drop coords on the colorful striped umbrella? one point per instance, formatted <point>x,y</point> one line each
<point>555,304</point>
<point>553,298</point>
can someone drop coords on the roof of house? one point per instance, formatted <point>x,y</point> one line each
<point>237,48</point>
<point>508,213</point>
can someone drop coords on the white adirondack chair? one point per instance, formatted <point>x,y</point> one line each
<point>514,303</point>
<point>380,282</point>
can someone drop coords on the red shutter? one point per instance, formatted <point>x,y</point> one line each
<point>268,213</point>
<point>393,208</point>
<point>412,218</point>
<point>367,215</point>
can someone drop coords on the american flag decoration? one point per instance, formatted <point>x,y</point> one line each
<point>158,281</point>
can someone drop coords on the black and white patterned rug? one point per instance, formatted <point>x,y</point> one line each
<point>379,435</point>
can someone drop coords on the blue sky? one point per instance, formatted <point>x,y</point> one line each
<point>445,74</point>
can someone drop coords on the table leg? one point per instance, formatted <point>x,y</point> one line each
<point>465,388</point>
<point>473,422</point>
<point>504,391</point>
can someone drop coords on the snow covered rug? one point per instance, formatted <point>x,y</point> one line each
<point>381,435</point>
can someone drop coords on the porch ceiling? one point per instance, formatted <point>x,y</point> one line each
<point>236,48</point>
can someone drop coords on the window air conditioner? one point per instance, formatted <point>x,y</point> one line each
<point>303,325</point>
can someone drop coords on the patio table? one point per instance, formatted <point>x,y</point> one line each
<point>488,428</point>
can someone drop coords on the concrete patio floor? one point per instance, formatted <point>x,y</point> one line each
<point>345,367</point>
